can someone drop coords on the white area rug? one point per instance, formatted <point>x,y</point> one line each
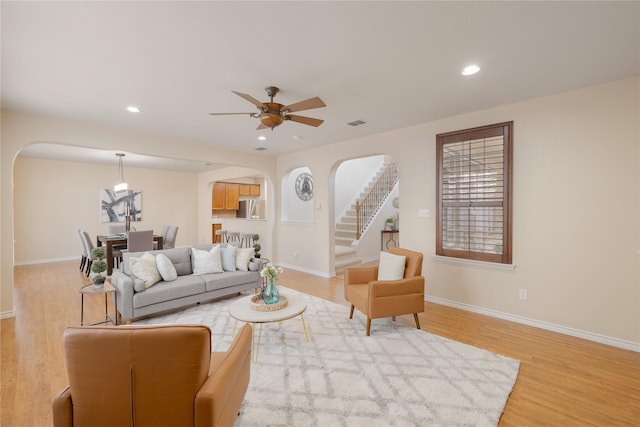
<point>398,376</point>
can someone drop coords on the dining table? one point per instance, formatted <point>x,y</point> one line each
<point>111,240</point>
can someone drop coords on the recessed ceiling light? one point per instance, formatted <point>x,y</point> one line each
<point>262,138</point>
<point>296,138</point>
<point>470,70</point>
<point>133,109</point>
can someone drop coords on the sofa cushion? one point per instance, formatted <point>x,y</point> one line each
<point>145,269</point>
<point>165,268</point>
<point>229,278</point>
<point>243,256</point>
<point>228,255</point>
<point>183,286</point>
<point>203,262</point>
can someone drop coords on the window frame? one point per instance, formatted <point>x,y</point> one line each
<point>506,130</point>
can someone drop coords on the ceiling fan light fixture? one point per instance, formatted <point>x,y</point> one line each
<point>271,120</point>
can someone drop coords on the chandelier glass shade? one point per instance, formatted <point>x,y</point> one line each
<point>121,184</point>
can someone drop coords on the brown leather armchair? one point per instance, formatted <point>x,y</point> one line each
<point>390,298</point>
<point>151,376</point>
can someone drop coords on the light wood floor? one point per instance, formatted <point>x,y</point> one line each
<point>563,381</point>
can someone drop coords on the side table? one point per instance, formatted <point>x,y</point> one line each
<point>106,289</point>
<point>391,242</point>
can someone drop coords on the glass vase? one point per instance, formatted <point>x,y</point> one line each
<point>270,293</point>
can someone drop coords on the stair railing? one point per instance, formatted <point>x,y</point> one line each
<point>370,203</point>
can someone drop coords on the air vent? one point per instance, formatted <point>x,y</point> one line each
<point>356,123</point>
<point>261,148</point>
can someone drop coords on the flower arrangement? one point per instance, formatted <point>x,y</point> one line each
<point>271,272</point>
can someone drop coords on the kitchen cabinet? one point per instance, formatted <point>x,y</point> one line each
<point>232,196</point>
<point>250,190</point>
<point>226,195</point>
<point>218,195</point>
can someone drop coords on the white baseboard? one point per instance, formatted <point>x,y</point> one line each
<point>47,260</point>
<point>602,339</point>
<point>306,270</point>
<point>7,314</point>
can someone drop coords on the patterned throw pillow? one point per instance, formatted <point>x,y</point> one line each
<point>145,269</point>
<point>204,262</point>
<point>243,256</point>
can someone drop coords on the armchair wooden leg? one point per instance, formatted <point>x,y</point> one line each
<point>351,312</point>
<point>368,325</point>
<point>415,316</point>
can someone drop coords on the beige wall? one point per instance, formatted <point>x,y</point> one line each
<point>576,206</point>
<point>576,216</point>
<point>54,198</point>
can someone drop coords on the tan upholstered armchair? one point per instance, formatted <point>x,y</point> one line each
<point>389,298</point>
<point>151,377</point>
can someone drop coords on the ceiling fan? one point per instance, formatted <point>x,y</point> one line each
<point>272,114</point>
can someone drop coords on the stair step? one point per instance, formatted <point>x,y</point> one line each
<point>347,234</point>
<point>344,252</point>
<point>341,265</point>
<point>346,227</point>
<point>343,241</point>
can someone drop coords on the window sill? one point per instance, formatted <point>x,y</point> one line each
<point>495,265</point>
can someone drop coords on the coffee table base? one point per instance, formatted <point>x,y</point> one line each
<point>241,310</point>
<point>256,348</point>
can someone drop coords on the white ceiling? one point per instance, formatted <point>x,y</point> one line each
<point>391,64</point>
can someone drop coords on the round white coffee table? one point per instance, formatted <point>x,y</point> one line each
<point>241,310</point>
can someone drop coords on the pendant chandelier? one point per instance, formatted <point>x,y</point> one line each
<point>121,184</point>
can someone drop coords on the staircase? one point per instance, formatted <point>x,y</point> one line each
<point>346,229</point>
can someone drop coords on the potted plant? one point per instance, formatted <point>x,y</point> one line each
<point>389,224</point>
<point>256,245</point>
<point>98,266</point>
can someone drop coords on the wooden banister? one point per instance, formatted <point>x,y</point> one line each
<point>369,204</point>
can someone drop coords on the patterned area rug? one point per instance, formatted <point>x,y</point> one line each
<point>398,376</point>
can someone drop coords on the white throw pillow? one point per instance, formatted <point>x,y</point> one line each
<point>391,266</point>
<point>228,255</point>
<point>204,262</point>
<point>145,269</point>
<point>166,268</point>
<point>243,256</point>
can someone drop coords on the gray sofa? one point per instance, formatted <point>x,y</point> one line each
<point>187,289</point>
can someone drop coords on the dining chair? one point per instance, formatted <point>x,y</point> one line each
<point>83,249</point>
<point>117,249</point>
<point>117,229</point>
<point>140,241</point>
<point>169,238</point>
<point>88,244</point>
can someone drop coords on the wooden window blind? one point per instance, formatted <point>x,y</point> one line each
<point>474,193</point>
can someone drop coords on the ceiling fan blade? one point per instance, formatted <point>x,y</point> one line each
<point>250,98</point>
<point>229,114</point>
<point>304,120</point>
<point>307,104</point>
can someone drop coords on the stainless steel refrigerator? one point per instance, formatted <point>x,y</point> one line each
<point>252,209</point>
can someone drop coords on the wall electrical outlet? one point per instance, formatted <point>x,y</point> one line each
<point>522,294</point>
